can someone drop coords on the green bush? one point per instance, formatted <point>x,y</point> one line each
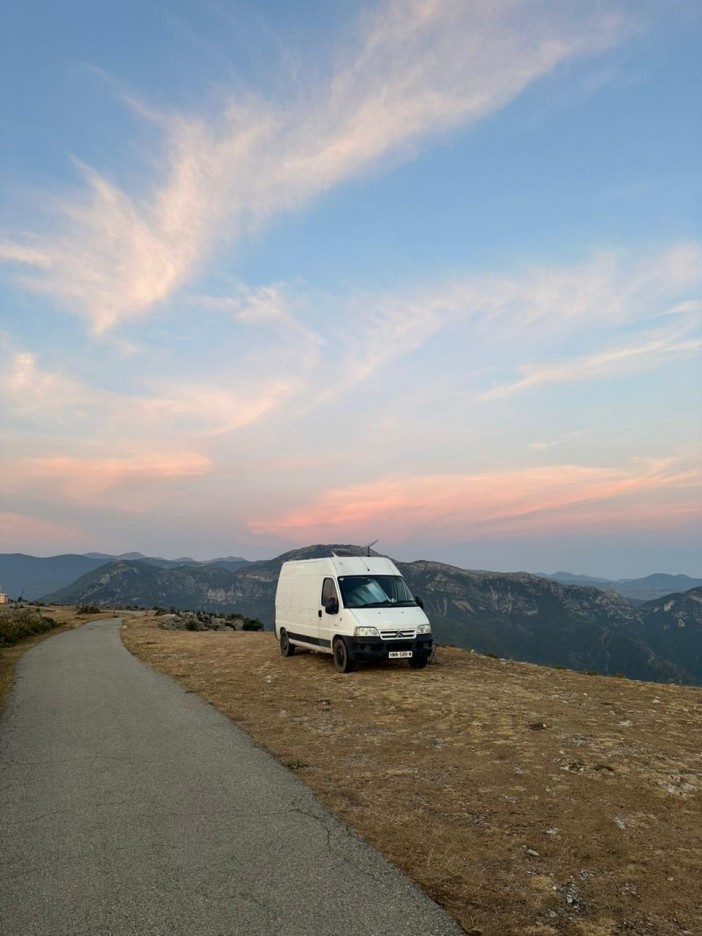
<point>18,623</point>
<point>252,624</point>
<point>89,609</point>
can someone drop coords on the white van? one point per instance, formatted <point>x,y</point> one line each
<point>357,608</point>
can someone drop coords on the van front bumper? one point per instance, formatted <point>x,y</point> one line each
<point>375,649</point>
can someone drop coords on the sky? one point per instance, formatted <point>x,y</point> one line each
<point>425,272</point>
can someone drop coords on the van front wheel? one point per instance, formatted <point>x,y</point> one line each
<point>342,660</point>
<point>286,648</point>
<point>418,662</point>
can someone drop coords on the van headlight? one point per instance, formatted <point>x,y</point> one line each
<point>424,629</point>
<point>366,632</point>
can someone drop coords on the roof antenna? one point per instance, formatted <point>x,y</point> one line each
<point>368,547</point>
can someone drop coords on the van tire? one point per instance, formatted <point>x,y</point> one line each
<point>286,648</point>
<point>342,660</point>
<point>418,662</point>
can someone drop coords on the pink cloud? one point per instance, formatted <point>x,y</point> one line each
<point>537,500</point>
<point>18,531</point>
<point>89,480</point>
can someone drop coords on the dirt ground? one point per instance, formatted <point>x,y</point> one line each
<point>525,800</point>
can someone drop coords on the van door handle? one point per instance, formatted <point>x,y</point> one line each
<point>319,613</point>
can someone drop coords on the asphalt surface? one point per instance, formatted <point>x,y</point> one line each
<point>130,806</point>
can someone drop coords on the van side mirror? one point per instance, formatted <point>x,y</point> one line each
<point>332,606</point>
<point>419,601</point>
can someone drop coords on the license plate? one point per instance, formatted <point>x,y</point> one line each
<point>399,654</point>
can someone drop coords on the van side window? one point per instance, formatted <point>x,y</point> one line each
<point>328,591</point>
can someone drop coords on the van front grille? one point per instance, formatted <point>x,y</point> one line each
<point>397,634</point>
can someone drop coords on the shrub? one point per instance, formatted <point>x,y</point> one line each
<point>89,609</point>
<point>16,624</point>
<point>252,624</point>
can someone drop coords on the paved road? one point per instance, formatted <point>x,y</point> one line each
<point>130,806</point>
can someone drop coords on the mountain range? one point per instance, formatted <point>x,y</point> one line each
<point>31,577</point>
<point>516,615</point>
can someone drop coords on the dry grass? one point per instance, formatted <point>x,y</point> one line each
<point>65,617</point>
<point>522,799</point>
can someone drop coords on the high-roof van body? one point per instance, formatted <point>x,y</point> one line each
<point>357,608</point>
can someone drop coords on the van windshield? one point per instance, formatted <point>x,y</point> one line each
<point>375,591</point>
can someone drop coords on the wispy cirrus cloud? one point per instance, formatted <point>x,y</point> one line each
<point>414,69</point>
<point>654,352</point>
<point>504,315</point>
<point>204,410</point>
<point>270,305</point>
<point>542,446</point>
<point>624,313</point>
<point>35,396</point>
<point>30,390</point>
<point>266,304</point>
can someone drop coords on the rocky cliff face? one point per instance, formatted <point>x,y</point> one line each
<point>524,617</point>
<point>531,618</point>
<point>673,628</point>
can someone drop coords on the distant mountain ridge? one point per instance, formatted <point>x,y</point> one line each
<point>225,562</point>
<point>516,615</point>
<point>30,577</point>
<point>126,582</point>
<point>641,589</point>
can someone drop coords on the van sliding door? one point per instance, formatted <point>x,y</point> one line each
<point>327,622</point>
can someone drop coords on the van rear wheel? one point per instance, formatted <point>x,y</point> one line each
<point>286,648</point>
<point>342,660</point>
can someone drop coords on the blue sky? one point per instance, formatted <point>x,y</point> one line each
<point>422,271</point>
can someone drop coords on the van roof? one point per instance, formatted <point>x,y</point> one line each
<point>345,565</point>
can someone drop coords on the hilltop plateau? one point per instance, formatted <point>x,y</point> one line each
<point>528,801</point>
<point>517,615</point>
